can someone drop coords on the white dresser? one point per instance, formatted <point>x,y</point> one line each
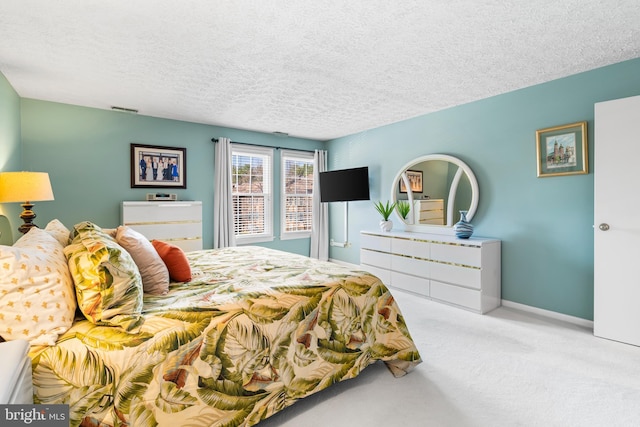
<point>460,272</point>
<point>178,223</point>
<point>429,211</point>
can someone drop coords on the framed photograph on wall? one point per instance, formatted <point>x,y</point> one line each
<point>415,181</point>
<point>562,150</point>
<point>154,166</point>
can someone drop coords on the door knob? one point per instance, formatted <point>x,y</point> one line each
<point>603,226</point>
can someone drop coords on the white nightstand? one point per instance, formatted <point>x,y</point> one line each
<point>16,384</point>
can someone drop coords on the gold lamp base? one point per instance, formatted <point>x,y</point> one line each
<point>27,215</point>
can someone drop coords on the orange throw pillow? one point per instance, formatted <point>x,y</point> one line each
<point>175,260</point>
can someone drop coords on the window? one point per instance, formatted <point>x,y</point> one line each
<point>252,193</point>
<point>297,194</point>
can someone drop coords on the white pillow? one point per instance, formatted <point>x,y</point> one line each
<point>59,231</point>
<point>37,299</point>
<point>153,270</point>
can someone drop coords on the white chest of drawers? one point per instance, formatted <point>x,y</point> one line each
<point>178,223</point>
<point>461,272</point>
<point>429,211</point>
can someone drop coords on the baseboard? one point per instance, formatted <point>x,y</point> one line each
<point>550,314</point>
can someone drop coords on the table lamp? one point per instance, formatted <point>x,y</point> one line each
<point>25,187</point>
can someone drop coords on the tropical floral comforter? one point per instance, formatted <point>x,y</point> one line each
<point>254,331</point>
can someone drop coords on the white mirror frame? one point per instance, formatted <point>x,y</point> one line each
<point>438,229</point>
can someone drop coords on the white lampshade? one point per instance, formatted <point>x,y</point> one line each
<point>25,187</point>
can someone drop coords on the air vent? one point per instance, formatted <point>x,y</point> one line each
<point>125,110</point>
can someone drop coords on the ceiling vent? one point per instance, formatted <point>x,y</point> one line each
<point>125,110</point>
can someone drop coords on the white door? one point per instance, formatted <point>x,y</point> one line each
<point>617,220</point>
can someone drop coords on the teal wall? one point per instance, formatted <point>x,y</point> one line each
<point>10,148</point>
<point>87,154</point>
<point>545,224</point>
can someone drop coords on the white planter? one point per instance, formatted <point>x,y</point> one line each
<point>386,225</point>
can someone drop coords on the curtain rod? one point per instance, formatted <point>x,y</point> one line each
<point>269,146</point>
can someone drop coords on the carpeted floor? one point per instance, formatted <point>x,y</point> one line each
<point>506,368</point>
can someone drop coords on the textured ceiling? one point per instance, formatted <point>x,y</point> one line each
<point>314,69</point>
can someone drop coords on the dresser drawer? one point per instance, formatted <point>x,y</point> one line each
<point>380,273</point>
<point>457,254</point>
<point>414,248</point>
<point>377,243</point>
<point>418,285</point>
<point>158,212</point>
<point>464,297</point>
<point>429,204</point>
<point>187,244</point>
<point>415,267</point>
<point>378,259</point>
<point>431,213</point>
<point>465,276</point>
<point>181,231</point>
<point>427,215</point>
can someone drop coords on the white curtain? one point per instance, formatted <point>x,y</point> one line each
<point>223,230</point>
<point>320,225</point>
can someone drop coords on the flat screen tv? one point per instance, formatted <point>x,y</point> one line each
<point>344,185</point>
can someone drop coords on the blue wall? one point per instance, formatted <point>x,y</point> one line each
<point>10,148</point>
<point>87,154</point>
<point>545,224</point>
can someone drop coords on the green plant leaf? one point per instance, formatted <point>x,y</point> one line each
<point>336,353</point>
<point>110,338</point>
<point>227,395</point>
<point>172,399</point>
<point>385,209</point>
<point>170,340</point>
<point>265,311</point>
<point>135,380</point>
<point>59,378</point>
<point>245,347</point>
<point>403,208</point>
<point>141,415</point>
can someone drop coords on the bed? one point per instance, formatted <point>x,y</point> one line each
<point>252,331</point>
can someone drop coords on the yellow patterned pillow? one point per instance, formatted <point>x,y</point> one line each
<point>37,300</point>
<point>107,281</point>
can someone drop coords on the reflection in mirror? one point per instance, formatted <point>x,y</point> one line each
<point>435,187</point>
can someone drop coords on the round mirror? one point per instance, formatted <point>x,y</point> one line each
<point>431,191</point>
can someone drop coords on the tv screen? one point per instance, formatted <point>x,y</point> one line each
<point>344,185</point>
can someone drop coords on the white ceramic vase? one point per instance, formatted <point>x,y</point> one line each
<point>386,225</point>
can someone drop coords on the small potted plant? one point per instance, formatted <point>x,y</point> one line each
<point>385,209</point>
<point>403,208</point>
